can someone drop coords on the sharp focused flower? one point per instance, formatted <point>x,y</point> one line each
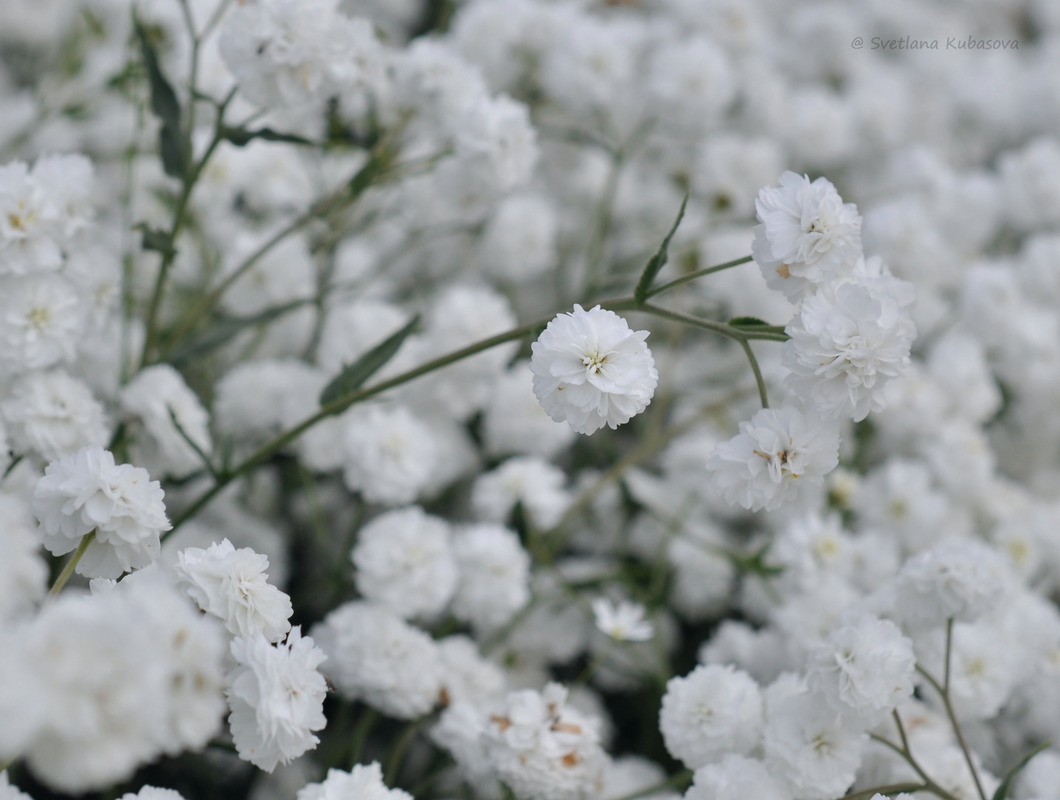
<point>88,491</point>
<point>591,370</point>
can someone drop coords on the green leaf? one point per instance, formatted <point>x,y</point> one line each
<point>222,331</point>
<point>156,240</point>
<point>353,376</point>
<point>1006,784</point>
<point>166,107</point>
<point>747,322</point>
<point>241,137</point>
<point>657,261</point>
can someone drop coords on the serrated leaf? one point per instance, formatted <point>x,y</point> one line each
<point>165,106</point>
<point>658,261</point>
<point>1006,784</point>
<point>225,328</point>
<point>352,377</point>
<point>241,137</point>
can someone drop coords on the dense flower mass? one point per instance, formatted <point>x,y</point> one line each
<point>591,370</point>
<point>271,273</point>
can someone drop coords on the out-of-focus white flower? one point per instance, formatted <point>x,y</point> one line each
<point>29,223</point>
<point>735,778</point>
<point>772,456</point>
<point>233,586</point>
<point>709,713</point>
<point>623,622</point>
<point>864,669</point>
<point>23,572</point>
<point>807,236</point>
<point>591,370</point>
<point>847,341</point>
<point>956,580</point>
<point>363,782</point>
<point>277,696</point>
<point>375,656</point>
<point>41,322</point>
<point>404,561</point>
<point>54,414</point>
<point>88,491</point>
<point>496,140</point>
<point>494,574</point>
<point>153,793</point>
<point>532,483</point>
<point>514,423</point>
<point>151,397</point>
<point>813,750</point>
<point>391,454</point>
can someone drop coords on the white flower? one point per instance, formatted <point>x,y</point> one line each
<point>528,481</point>
<point>847,341</point>
<point>807,236</point>
<point>233,585</point>
<point>514,423</point>
<point>151,397</point>
<point>494,574</point>
<point>543,749</point>
<point>391,454</point>
<point>41,322</point>
<point>363,782</point>
<point>777,451</point>
<point>30,221</point>
<point>623,622</point>
<point>277,696</point>
<point>375,656</point>
<point>864,669</point>
<point>809,747</point>
<point>709,713</point>
<point>591,370</point>
<point>959,580</point>
<point>54,415</point>
<point>153,793</point>
<point>404,561</point>
<point>88,491</point>
<point>23,572</point>
<point>735,778</point>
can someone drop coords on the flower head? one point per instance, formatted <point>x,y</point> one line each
<point>623,622</point>
<point>591,370</point>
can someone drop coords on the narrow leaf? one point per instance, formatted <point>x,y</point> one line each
<point>166,107</point>
<point>747,322</point>
<point>658,261</point>
<point>241,137</point>
<point>353,376</point>
<point>222,331</point>
<point>1006,785</point>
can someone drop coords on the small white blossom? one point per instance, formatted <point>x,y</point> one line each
<point>591,370</point>
<point>807,236</point>
<point>623,622</point>
<point>777,451</point>
<point>277,696</point>
<point>363,782</point>
<point>847,341</point>
<point>88,492</point>
<point>233,586</point>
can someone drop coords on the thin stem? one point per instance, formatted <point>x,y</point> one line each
<point>699,273</point>
<point>68,570</point>
<point>943,690</point>
<point>722,329</point>
<point>397,753</point>
<point>360,735</point>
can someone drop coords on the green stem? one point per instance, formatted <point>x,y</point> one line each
<point>699,273</point>
<point>721,329</point>
<point>68,570</point>
<point>180,217</point>
<point>360,735</point>
<point>397,754</point>
<point>944,693</point>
